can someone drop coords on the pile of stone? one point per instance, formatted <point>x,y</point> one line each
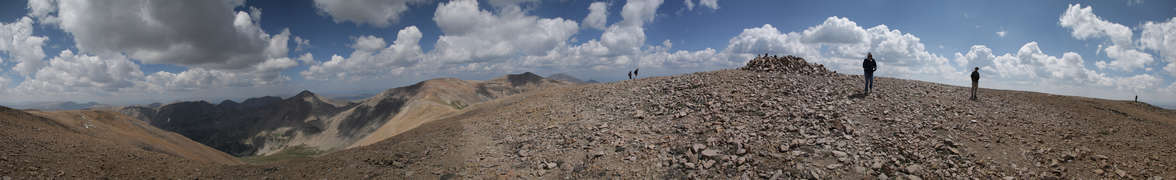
<point>788,120</point>
<point>785,64</point>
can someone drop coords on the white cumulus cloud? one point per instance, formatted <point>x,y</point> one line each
<point>301,44</point>
<point>768,39</point>
<point>44,10</point>
<point>620,47</point>
<point>219,46</point>
<point>713,4</point>
<point>70,72</point>
<point>841,44</point>
<point>509,3</point>
<point>1125,59</point>
<point>1138,83</point>
<point>977,56</point>
<point>207,34</point>
<point>471,34</point>
<point>597,15</point>
<point>307,58</point>
<point>1084,24</point>
<point>379,13</point>
<point>267,73</point>
<point>638,12</point>
<point>371,58</point>
<point>835,30</point>
<point>1161,38</point>
<point>628,36</point>
<point>1031,64</point>
<point>17,40</point>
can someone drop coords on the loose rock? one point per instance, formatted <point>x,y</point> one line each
<point>710,153</point>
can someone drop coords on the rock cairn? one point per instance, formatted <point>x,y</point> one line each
<point>785,64</point>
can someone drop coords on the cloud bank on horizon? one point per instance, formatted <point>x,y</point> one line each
<point>140,51</point>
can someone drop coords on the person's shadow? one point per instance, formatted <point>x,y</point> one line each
<point>857,96</point>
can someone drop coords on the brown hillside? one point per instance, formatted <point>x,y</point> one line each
<point>59,145</point>
<point>122,129</point>
<point>443,97</point>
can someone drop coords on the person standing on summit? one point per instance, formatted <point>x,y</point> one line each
<point>975,82</point>
<point>869,66</point>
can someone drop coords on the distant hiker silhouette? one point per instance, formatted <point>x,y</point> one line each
<point>869,66</point>
<point>635,71</point>
<point>975,82</point>
<point>630,74</point>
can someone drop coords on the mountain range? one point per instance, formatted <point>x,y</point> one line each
<point>60,105</point>
<point>775,118</point>
<point>268,125</point>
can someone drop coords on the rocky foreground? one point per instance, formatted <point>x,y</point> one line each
<point>779,118</point>
<point>786,121</point>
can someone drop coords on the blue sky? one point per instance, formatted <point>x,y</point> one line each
<point>232,49</point>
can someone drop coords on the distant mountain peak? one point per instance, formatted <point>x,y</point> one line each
<point>59,105</point>
<point>304,93</point>
<point>524,78</point>
<point>565,77</point>
<point>260,101</point>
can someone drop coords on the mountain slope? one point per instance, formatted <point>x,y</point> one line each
<point>269,125</point>
<point>446,96</point>
<point>127,130</point>
<point>245,128</point>
<point>566,77</point>
<point>89,144</point>
<point>430,100</point>
<point>254,126</point>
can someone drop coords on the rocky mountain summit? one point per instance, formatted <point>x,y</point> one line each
<point>777,118</point>
<point>784,64</point>
<point>783,118</point>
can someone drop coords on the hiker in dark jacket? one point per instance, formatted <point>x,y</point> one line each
<point>630,74</point>
<point>975,81</point>
<point>869,66</point>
